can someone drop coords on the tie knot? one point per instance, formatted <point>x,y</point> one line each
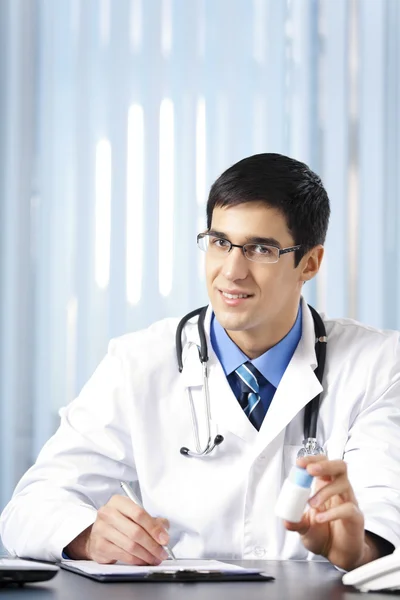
<point>248,376</point>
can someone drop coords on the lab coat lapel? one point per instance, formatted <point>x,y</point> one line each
<point>225,408</point>
<point>298,386</point>
<point>226,412</point>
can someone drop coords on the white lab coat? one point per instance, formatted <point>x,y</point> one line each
<point>133,415</point>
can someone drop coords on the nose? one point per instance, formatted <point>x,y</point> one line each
<point>236,265</point>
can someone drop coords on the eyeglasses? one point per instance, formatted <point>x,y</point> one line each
<point>256,252</point>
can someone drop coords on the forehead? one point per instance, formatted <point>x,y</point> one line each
<point>252,219</point>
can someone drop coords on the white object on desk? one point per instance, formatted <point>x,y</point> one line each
<point>380,574</point>
<point>25,565</point>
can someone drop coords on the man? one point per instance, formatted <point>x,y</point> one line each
<point>267,221</point>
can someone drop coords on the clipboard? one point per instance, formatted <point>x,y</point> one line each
<point>181,576</point>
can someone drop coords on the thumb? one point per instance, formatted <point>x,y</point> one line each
<point>163,522</point>
<point>301,527</point>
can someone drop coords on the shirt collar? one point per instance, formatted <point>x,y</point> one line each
<point>272,364</point>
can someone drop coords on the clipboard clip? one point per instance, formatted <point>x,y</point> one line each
<point>185,575</point>
<point>194,575</point>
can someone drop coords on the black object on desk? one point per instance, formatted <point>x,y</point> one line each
<point>18,572</point>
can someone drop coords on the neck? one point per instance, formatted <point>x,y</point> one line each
<point>254,342</point>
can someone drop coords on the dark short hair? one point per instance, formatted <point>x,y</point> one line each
<point>281,183</point>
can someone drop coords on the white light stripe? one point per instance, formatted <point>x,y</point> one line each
<point>71,348</point>
<point>259,124</point>
<point>353,189</point>
<point>75,16</point>
<point>259,30</point>
<point>201,264</point>
<point>201,29</point>
<point>166,197</point>
<point>136,24</point>
<point>103,213</point>
<point>166,28</point>
<point>201,152</point>
<point>134,204</point>
<point>105,10</point>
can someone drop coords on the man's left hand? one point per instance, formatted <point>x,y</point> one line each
<point>334,525</point>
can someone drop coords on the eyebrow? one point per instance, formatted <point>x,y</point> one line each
<point>268,241</point>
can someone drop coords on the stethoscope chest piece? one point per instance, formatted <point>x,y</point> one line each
<point>310,448</point>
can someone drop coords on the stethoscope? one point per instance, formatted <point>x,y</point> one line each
<point>310,445</point>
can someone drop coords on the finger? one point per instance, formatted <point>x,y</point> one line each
<point>134,548</point>
<point>338,487</point>
<point>133,531</point>
<point>139,515</point>
<point>163,522</point>
<point>108,553</point>
<point>303,461</point>
<point>327,468</point>
<point>302,527</point>
<point>346,511</point>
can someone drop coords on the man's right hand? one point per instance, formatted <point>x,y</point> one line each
<point>122,531</point>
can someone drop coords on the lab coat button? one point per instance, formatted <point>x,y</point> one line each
<point>259,551</point>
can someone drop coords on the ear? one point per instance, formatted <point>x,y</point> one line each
<point>311,262</point>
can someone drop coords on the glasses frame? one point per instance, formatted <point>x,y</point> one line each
<point>281,251</point>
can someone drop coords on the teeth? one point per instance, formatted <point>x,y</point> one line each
<point>234,296</point>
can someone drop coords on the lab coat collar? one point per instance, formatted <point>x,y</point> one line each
<point>298,385</point>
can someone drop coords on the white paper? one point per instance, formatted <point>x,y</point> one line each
<point>93,568</point>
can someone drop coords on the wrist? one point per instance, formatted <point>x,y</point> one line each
<point>370,553</point>
<point>78,549</point>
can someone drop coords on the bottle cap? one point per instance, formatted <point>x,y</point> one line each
<point>300,477</point>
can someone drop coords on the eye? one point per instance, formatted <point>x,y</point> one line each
<point>260,249</point>
<point>219,242</point>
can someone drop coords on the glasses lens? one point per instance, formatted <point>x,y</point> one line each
<point>202,242</point>
<point>211,243</point>
<point>261,253</point>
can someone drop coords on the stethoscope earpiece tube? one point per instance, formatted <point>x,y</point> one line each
<point>311,411</point>
<point>202,335</point>
<point>178,335</point>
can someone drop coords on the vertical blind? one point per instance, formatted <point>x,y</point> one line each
<point>116,117</point>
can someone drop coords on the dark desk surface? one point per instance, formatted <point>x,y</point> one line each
<point>294,580</point>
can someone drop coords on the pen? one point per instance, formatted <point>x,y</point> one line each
<point>132,496</point>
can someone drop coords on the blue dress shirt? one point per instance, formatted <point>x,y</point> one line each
<point>272,364</point>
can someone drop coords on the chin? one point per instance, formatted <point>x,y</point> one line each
<point>232,322</point>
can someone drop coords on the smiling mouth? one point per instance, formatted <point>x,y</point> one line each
<point>234,296</point>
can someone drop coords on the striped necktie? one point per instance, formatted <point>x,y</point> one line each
<point>250,399</point>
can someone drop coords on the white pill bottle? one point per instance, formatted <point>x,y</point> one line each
<point>294,495</point>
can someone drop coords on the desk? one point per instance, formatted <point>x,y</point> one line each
<point>295,580</point>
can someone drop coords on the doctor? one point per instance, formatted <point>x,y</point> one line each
<point>267,221</point>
